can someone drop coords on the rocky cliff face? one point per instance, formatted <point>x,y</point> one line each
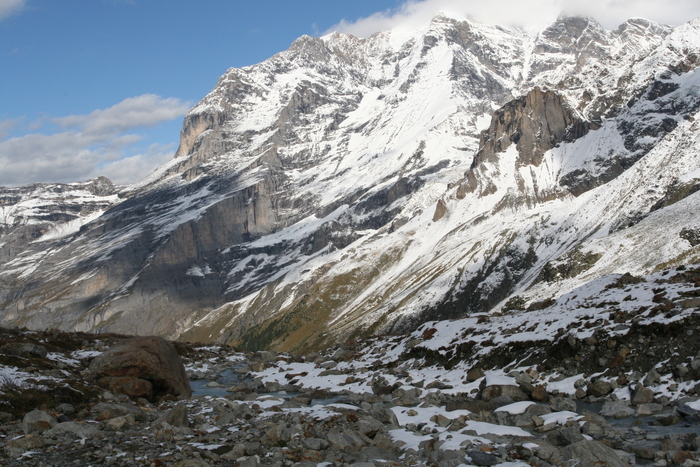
<point>353,186</point>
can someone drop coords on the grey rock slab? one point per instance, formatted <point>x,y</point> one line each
<point>591,453</point>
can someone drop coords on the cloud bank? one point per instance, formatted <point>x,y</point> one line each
<point>10,7</point>
<point>531,14</point>
<point>86,146</point>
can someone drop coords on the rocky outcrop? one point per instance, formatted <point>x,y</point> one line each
<point>535,123</point>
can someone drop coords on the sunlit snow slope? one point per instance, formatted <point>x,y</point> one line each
<point>349,186</point>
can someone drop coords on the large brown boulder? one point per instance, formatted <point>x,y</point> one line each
<point>151,359</point>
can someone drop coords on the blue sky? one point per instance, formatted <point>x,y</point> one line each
<point>91,87</point>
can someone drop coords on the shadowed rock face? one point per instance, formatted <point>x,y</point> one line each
<point>535,123</point>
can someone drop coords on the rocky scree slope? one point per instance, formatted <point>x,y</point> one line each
<point>347,187</point>
<point>609,375</point>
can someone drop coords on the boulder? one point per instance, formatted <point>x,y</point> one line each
<point>616,409</point>
<point>599,388</point>
<point>152,359</point>
<point>642,395</point>
<point>37,421</point>
<point>492,392</point>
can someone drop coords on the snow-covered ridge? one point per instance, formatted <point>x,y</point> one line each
<point>342,188</point>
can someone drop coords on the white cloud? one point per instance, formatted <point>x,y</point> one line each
<point>534,14</point>
<point>10,7</point>
<point>133,168</point>
<point>142,111</point>
<point>99,143</point>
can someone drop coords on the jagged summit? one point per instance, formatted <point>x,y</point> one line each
<point>352,186</point>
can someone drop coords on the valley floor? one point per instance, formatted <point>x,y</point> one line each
<point>610,383</point>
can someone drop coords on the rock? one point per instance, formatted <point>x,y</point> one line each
<point>314,444</point>
<point>539,393</point>
<point>120,423</point>
<point>492,392</point>
<point>129,386</point>
<point>671,445</point>
<point>482,458</point>
<point>599,388</point>
<point>148,358</point>
<point>25,350</point>
<point>374,453</point>
<point>192,463</point>
<point>79,430</point>
<point>17,447</point>
<point>652,378</point>
<point>106,411</point>
<point>177,416</point>
<point>642,395</point>
<point>341,442</point>
<point>37,421</point>
<point>680,457</point>
<point>474,374</point>
<point>592,453</point>
<point>560,404</point>
<point>370,427</point>
<point>616,409</point>
<point>66,409</point>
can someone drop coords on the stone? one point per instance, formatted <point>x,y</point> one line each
<point>177,416</point>
<point>492,392</point>
<point>592,453</point>
<point>315,444</point>
<point>107,410</point>
<point>616,409</point>
<point>16,447</point>
<point>539,393</point>
<point>120,423</point>
<point>129,386</point>
<point>192,463</point>
<point>37,421</point>
<point>482,458</point>
<point>474,374</point>
<point>148,358</point>
<point>25,350</point>
<point>370,427</point>
<point>562,404</point>
<point>641,395</point>
<point>652,378</point>
<point>371,453</point>
<point>79,430</point>
<point>599,388</point>
<point>341,442</point>
<point>680,457</point>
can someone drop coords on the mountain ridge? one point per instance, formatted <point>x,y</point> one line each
<point>353,186</point>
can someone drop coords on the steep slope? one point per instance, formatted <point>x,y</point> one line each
<point>353,186</point>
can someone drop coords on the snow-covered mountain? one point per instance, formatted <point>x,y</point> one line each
<point>348,187</point>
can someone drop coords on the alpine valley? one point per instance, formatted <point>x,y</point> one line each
<point>352,187</point>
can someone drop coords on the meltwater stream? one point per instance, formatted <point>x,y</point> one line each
<point>230,377</point>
